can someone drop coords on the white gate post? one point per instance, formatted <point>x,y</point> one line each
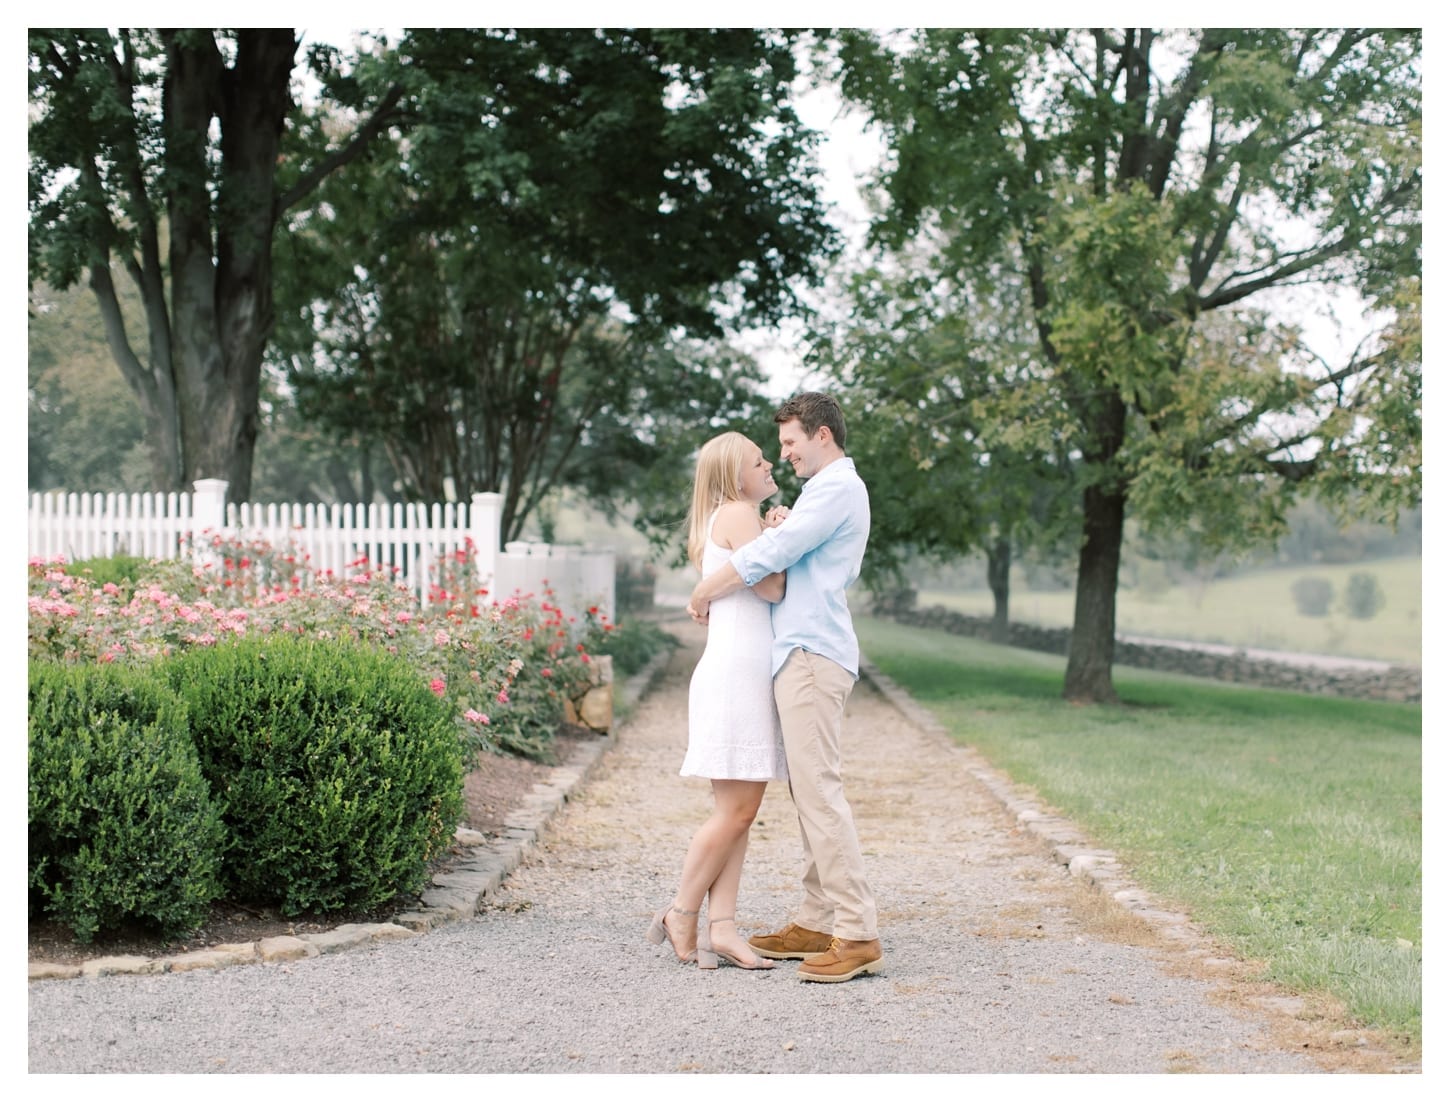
<point>208,511</point>
<point>484,522</point>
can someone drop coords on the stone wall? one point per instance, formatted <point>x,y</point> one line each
<point>1399,683</point>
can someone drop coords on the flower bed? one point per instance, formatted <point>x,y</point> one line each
<point>507,666</point>
<point>349,704</point>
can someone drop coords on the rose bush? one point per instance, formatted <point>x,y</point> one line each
<point>504,666</point>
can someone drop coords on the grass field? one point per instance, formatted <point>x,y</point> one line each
<point>1254,610</point>
<point>1288,825</point>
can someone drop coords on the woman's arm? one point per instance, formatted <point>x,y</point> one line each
<point>770,588</point>
<point>736,525</point>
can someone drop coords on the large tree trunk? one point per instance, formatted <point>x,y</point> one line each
<point>222,308</point>
<point>1094,621</point>
<point>999,569</point>
<point>1089,677</point>
<point>188,103</point>
<point>256,100</point>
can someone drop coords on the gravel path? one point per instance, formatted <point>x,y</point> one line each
<point>994,961</point>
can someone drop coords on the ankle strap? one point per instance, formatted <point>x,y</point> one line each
<point>727,918</point>
<point>687,914</point>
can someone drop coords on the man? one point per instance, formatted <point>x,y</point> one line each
<point>815,659</point>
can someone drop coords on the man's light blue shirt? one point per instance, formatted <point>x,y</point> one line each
<point>820,547</point>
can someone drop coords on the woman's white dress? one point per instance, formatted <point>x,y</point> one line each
<point>734,728</point>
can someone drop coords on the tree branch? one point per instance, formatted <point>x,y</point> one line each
<point>67,71</point>
<point>146,273</point>
<point>1227,295</point>
<point>384,114</point>
<point>1347,42</point>
<point>132,369</point>
<point>1175,110</point>
<point>1229,428</point>
<point>1206,255</point>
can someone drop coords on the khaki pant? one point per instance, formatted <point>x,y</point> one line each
<point>810,694</point>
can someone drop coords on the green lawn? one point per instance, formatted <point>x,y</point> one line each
<point>1253,610</point>
<point>1288,825</point>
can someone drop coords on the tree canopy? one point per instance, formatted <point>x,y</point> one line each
<point>1159,191</point>
<point>512,284</point>
<point>918,358</point>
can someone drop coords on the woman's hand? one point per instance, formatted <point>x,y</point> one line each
<point>775,515</point>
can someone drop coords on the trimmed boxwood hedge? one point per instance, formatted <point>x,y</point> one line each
<point>338,773</point>
<point>122,825</point>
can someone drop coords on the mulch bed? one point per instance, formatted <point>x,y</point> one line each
<point>492,790</point>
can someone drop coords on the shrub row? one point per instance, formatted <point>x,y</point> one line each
<point>1363,597</point>
<point>309,774</point>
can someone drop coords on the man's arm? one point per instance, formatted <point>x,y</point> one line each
<point>817,515</point>
<point>737,525</point>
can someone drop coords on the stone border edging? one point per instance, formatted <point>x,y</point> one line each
<point>1067,843</point>
<point>453,896</point>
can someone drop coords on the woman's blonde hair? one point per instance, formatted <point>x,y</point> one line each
<point>717,480</point>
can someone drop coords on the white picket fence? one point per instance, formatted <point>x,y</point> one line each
<point>411,537</point>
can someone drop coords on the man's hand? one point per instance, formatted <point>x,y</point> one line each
<point>699,611</point>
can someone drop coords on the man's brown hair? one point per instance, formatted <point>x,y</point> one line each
<point>814,409</point>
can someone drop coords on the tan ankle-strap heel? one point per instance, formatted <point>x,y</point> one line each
<point>709,956</point>
<point>658,932</point>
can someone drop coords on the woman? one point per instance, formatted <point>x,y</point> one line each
<point>735,739</point>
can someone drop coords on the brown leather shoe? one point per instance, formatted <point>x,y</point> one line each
<point>844,960</point>
<point>792,943</point>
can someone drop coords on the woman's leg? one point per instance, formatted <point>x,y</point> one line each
<point>723,895</point>
<point>719,843</point>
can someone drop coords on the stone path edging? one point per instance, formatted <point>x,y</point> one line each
<point>453,896</point>
<point>1066,841</point>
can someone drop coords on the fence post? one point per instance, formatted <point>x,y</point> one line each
<point>208,511</point>
<point>484,520</point>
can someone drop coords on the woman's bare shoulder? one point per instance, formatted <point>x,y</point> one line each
<point>737,523</point>
<point>740,509</point>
